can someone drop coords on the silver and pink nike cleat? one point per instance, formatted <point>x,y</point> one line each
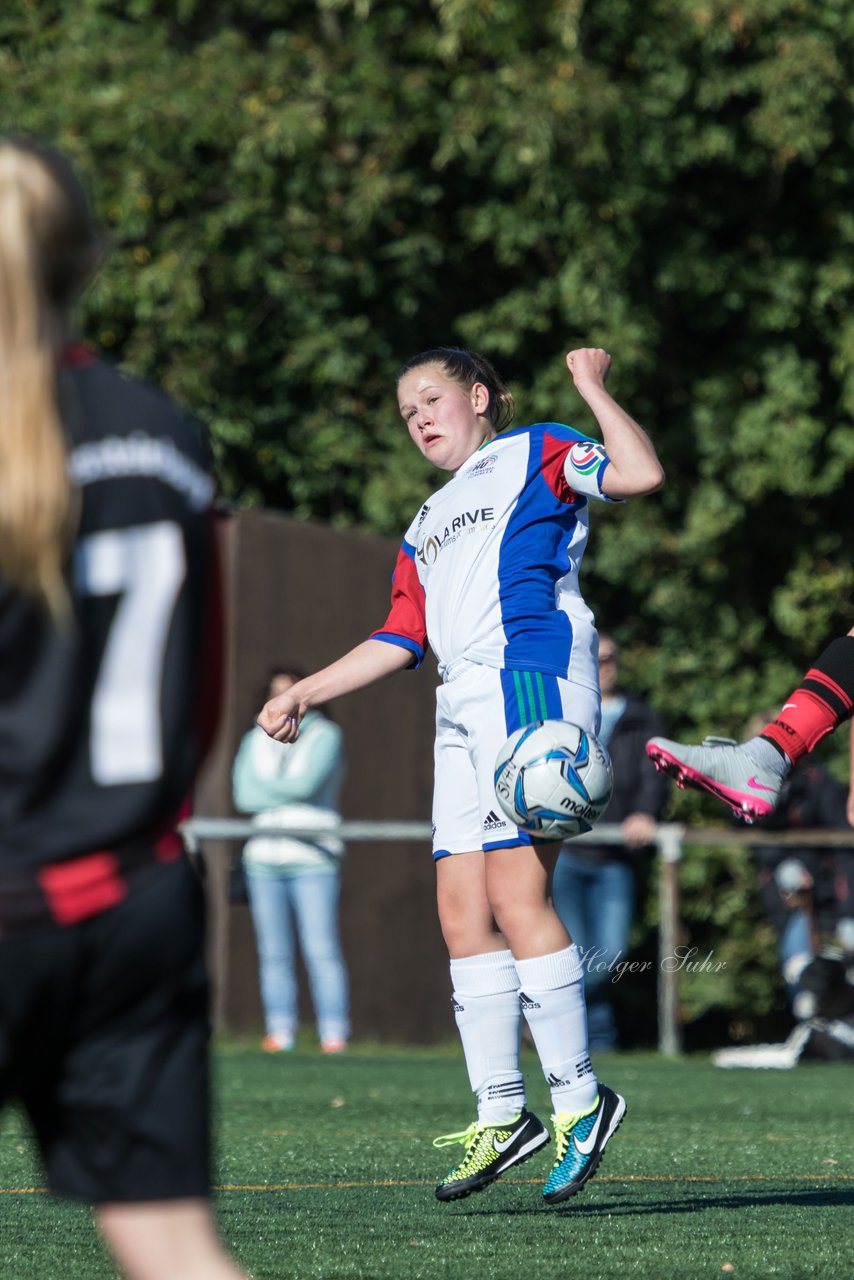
<point>722,767</point>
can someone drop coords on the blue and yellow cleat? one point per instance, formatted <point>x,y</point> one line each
<point>581,1141</point>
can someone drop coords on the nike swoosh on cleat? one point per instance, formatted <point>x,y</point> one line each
<point>585,1147</point>
<point>758,786</point>
<point>789,704</point>
<point>508,1142</point>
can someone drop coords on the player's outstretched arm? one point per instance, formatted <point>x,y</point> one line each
<point>634,467</point>
<point>368,663</point>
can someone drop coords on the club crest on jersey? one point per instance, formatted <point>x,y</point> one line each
<point>585,456</point>
<point>483,466</point>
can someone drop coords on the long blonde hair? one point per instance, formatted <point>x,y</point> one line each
<point>49,248</point>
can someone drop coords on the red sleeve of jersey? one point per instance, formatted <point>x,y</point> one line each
<point>554,456</point>
<point>406,623</point>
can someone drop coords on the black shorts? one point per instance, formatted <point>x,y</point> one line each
<point>104,1040</point>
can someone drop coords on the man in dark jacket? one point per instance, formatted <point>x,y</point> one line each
<point>594,883</point>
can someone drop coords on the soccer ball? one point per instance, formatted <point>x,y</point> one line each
<point>553,779</point>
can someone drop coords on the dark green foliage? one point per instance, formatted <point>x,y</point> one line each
<point>301,193</point>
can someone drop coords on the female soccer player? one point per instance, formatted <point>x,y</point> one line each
<point>489,570</point>
<point>105,544</point>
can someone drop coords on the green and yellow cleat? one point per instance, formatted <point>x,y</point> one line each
<point>490,1151</point>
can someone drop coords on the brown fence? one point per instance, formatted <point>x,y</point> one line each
<point>305,593</point>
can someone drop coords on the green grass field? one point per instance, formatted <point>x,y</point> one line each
<point>326,1169</point>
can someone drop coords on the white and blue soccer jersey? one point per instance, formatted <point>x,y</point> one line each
<point>488,570</point>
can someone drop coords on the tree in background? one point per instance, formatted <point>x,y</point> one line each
<point>301,194</point>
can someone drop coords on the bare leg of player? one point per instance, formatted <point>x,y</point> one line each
<point>166,1240</point>
<point>464,911</point>
<point>518,885</point>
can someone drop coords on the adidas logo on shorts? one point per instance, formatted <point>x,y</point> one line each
<point>492,822</point>
<point>527,1003</point>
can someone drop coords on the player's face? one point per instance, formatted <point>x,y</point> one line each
<point>447,423</point>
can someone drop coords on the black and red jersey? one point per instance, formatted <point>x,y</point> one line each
<point>99,723</point>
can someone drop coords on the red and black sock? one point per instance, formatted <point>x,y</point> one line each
<point>820,703</point>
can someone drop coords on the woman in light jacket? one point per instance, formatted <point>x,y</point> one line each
<point>294,882</point>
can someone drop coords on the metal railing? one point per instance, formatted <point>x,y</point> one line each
<point>669,840</point>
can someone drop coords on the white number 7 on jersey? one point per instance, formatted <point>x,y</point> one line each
<point>145,566</point>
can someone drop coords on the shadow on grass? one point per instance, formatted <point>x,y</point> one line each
<point>821,1197</point>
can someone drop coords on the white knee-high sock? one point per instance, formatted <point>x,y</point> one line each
<point>552,999</point>
<point>486,1007</point>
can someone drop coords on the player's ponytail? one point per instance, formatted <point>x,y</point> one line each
<point>49,247</point>
<point>467,368</point>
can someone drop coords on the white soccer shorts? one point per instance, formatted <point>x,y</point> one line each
<point>476,711</point>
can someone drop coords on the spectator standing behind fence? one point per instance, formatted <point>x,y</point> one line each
<point>294,882</point>
<point>594,884</point>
